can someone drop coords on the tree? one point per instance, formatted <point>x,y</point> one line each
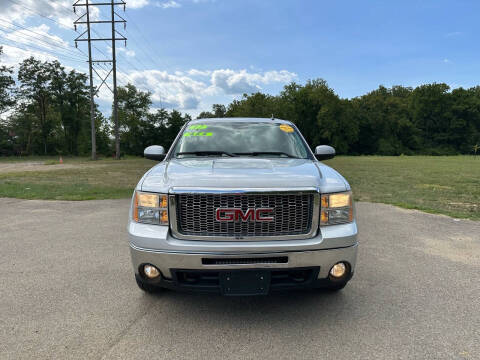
<point>133,109</point>
<point>254,105</point>
<point>6,87</point>
<point>218,111</point>
<point>34,77</point>
<point>302,105</point>
<point>337,126</point>
<point>70,100</point>
<point>430,109</point>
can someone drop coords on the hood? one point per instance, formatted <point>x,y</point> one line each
<point>242,173</point>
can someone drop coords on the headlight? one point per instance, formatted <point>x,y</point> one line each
<point>336,208</point>
<point>150,208</point>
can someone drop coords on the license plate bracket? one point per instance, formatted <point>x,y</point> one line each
<point>245,282</point>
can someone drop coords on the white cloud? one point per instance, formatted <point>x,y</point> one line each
<point>38,36</point>
<point>36,41</point>
<point>128,52</point>
<point>168,4</point>
<point>453,34</point>
<point>239,82</point>
<point>13,55</point>
<point>59,11</point>
<point>194,72</point>
<point>137,4</point>
<point>168,90</point>
<point>186,90</point>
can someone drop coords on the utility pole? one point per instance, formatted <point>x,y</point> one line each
<point>115,103</point>
<point>92,104</point>
<point>115,36</point>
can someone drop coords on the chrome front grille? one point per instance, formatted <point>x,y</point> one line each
<point>293,214</point>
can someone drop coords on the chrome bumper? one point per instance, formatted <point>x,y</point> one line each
<point>167,260</point>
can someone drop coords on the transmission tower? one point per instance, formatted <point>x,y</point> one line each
<point>115,18</point>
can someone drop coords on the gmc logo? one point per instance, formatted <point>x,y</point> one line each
<point>235,215</point>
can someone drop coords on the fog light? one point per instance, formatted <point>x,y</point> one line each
<point>338,270</point>
<point>150,271</point>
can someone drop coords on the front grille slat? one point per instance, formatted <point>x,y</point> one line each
<point>292,214</point>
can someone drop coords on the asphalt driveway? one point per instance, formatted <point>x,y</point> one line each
<point>67,291</point>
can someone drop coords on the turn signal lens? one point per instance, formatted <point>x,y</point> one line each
<point>324,217</point>
<point>336,208</point>
<point>150,208</point>
<point>164,216</point>
<point>163,201</point>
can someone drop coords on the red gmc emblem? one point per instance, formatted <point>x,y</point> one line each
<point>235,215</point>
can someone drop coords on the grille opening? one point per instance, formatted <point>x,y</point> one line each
<point>292,213</point>
<point>198,278</point>
<point>291,277</point>
<point>245,261</point>
<point>279,278</point>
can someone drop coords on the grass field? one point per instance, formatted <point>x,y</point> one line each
<point>447,185</point>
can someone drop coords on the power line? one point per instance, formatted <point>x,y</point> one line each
<point>33,11</point>
<point>67,11</point>
<point>154,52</point>
<point>34,32</point>
<point>49,52</point>
<point>39,38</point>
<point>140,46</point>
<point>36,12</point>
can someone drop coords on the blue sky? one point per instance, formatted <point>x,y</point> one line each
<point>193,53</point>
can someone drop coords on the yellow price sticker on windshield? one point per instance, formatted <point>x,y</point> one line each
<point>286,128</point>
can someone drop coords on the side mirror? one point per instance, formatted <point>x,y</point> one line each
<point>154,152</point>
<point>324,152</point>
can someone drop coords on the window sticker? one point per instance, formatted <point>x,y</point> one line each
<point>197,127</point>
<point>286,128</point>
<point>187,134</point>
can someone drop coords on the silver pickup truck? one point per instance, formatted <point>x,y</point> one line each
<point>241,206</point>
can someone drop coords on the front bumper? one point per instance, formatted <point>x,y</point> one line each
<point>166,261</point>
<point>152,244</point>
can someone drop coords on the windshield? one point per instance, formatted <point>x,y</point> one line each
<point>231,138</point>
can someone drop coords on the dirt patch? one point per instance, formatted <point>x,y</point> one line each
<point>40,166</point>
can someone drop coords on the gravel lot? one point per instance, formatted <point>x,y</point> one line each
<point>67,291</point>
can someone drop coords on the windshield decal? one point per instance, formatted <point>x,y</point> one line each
<point>197,127</point>
<point>187,134</point>
<point>286,128</point>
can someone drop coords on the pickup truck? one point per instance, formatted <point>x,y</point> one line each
<point>242,206</point>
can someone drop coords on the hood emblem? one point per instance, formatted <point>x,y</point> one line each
<point>250,215</point>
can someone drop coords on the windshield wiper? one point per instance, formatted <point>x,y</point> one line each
<point>257,153</point>
<point>205,153</point>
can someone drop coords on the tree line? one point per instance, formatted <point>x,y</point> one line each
<point>430,119</point>
<point>46,111</point>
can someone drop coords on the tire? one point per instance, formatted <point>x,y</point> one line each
<point>148,288</point>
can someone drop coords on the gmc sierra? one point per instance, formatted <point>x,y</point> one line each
<point>242,206</point>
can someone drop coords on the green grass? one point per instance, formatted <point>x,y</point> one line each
<point>87,180</point>
<point>447,185</point>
